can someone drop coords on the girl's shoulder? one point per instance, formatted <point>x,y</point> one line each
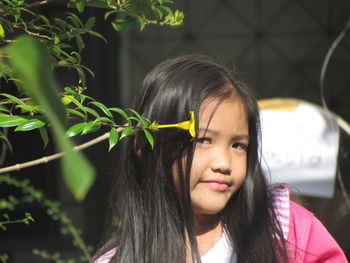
<point>106,257</point>
<point>289,214</point>
<point>308,239</point>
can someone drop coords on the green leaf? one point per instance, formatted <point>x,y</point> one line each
<point>44,136</point>
<point>78,104</point>
<point>104,119</point>
<point>61,23</point>
<point>125,24</point>
<point>29,108</point>
<point>13,98</point>
<point>77,113</point>
<point>6,142</point>
<point>149,138</point>
<point>80,4</point>
<point>83,97</point>
<point>91,111</point>
<point>158,12</point>
<point>127,131</point>
<point>91,127</point>
<point>30,125</point>
<point>77,55</point>
<point>11,121</point>
<point>97,3</point>
<point>32,67</point>
<point>113,138</point>
<point>45,20</point>
<point>81,75</point>
<point>63,63</point>
<point>142,23</point>
<point>88,70</point>
<point>122,113</point>
<point>90,23</point>
<point>75,129</point>
<point>165,9</point>
<point>80,42</point>
<point>96,34</point>
<point>136,114</point>
<point>102,108</point>
<point>79,175</point>
<point>139,118</point>
<point>111,4</point>
<point>75,19</point>
<point>3,108</point>
<point>107,14</point>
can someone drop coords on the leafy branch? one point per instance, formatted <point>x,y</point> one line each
<point>28,63</point>
<point>32,47</point>
<point>26,220</point>
<point>53,209</point>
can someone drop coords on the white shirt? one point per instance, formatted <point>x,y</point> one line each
<point>221,252</point>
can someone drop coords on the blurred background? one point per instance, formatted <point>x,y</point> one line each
<point>277,46</point>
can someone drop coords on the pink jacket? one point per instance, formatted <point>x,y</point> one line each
<point>309,240</point>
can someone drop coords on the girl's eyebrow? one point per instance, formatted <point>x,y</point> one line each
<point>217,133</point>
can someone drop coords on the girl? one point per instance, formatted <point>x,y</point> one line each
<point>205,199</point>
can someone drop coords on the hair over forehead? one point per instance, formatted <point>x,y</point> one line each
<point>179,85</point>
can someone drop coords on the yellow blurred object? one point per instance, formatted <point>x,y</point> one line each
<point>2,33</point>
<point>66,100</point>
<point>281,104</point>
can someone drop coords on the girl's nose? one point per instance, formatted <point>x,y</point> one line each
<point>221,162</point>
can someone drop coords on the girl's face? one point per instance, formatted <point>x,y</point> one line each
<point>220,158</point>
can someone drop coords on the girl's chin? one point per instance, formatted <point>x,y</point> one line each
<point>208,211</point>
<point>212,205</point>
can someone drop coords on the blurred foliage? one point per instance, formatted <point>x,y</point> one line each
<point>32,47</point>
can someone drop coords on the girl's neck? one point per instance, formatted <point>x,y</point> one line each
<point>208,231</point>
<point>206,223</point>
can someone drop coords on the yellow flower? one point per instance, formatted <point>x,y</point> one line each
<point>189,125</point>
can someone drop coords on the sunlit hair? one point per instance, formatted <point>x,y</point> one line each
<point>154,214</point>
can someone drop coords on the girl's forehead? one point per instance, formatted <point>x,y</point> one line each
<point>225,118</point>
<point>210,105</point>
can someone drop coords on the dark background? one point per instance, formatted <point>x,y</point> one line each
<point>277,46</point>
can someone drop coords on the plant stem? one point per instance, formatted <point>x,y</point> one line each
<point>66,220</point>
<point>48,204</point>
<point>55,156</point>
<point>19,26</point>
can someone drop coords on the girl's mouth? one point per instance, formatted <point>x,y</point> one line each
<point>217,185</point>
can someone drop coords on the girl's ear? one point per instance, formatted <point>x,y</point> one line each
<point>137,146</point>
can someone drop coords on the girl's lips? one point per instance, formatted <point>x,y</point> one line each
<point>216,185</point>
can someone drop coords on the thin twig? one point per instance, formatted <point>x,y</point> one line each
<point>343,189</point>
<point>8,41</point>
<point>32,33</point>
<point>327,59</point>
<point>343,124</point>
<point>65,219</point>
<point>49,158</point>
<point>36,4</point>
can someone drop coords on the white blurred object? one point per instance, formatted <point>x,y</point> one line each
<point>300,145</point>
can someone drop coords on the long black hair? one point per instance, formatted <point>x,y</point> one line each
<point>155,215</point>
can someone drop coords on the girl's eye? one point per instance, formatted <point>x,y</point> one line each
<point>203,140</point>
<point>240,146</point>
